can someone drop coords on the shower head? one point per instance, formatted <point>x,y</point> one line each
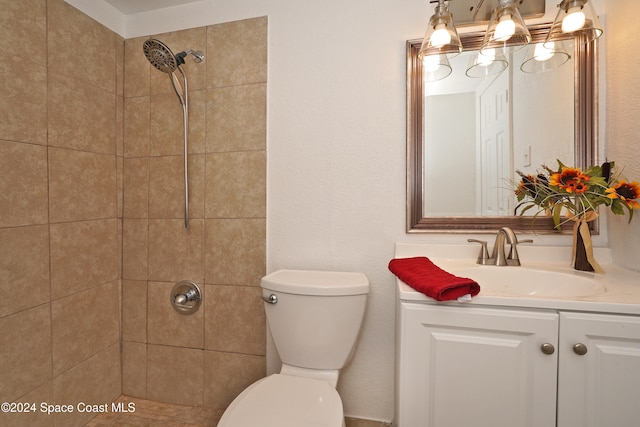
<point>160,56</point>
<point>163,58</point>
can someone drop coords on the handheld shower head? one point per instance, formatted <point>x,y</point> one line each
<point>160,56</point>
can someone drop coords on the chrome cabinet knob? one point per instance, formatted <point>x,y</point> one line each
<point>580,349</point>
<point>547,348</point>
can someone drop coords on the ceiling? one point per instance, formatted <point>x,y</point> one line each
<point>128,7</point>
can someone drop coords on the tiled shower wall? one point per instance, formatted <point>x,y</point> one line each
<point>208,357</point>
<point>60,155</point>
<point>91,193</point>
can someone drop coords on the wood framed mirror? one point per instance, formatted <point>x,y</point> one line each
<point>583,142</point>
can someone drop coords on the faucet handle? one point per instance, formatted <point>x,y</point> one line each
<point>483,257</point>
<point>513,258</point>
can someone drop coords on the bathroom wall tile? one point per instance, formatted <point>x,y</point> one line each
<point>175,374</point>
<point>23,30</point>
<point>137,69</point>
<point>119,43</point>
<point>167,326</point>
<point>166,186</point>
<point>23,111</point>
<point>134,369</point>
<point>134,311</point>
<point>30,419</point>
<point>96,380</point>
<point>83,255</point>
<point>136,126</point>
<point>226,375</point>
<point>179,41</point>
<point>119,250</point>
<point>167,126</point>
<point>99,327</point>
<point>235,251</point>
<point>82,185</point>
<point>135,249</point>
<point>359,422</point>
<point>237,118</point>
<point>24,268</point>
<point>136,187</point>
<point>23,184</point>
<point>238,52</point>
<point>197,121</point>
<point>79,47</point>
<point>80,116</point>
<point>119,125</point>
<point>25,342</point>
<point>119,187</point>
<point>237,325</point>
<point>236,185</point>
<point>175,253</point>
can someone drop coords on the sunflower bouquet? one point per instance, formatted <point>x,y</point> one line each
<point>576,192</point>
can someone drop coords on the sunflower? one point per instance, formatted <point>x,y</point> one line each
<point>571,180</point>
<point>627,192</point>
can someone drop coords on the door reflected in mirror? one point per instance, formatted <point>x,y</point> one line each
<point>485,129</point>
<point>467,136</point>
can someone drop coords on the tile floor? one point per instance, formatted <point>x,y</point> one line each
<point>157,414</point>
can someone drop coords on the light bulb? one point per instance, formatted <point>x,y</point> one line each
<point>440,36</point>
<point>431,63</point>
<point>542,52</point>
<point>574,20</point>
<point>485,59</point>
<point>505,28</point>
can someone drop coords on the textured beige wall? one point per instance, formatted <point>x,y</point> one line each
<point>622,124</point>
<point>208,357</point>
<point>60,142</point>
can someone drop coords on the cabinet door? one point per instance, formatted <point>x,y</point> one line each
<point>601,387</point>
<point>468,366</point>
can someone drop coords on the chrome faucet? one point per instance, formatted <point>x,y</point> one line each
<point>498,255</point>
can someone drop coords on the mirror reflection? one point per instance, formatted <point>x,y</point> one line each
<point>466,137</point>
<point>489,127</point>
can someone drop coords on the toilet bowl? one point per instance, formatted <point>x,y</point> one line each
<point>314,318</point>
<point>285,400</point>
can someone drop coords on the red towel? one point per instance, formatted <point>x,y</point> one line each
<point>424,276</point>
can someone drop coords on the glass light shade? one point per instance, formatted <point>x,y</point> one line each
<point>575,18</point>
<point>506,28</point>
<point>435,67</point>
<point>441,36</point>
<point>489,63</point>
<point>543,57</point>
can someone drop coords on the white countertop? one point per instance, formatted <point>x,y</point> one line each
<point>622,286</point>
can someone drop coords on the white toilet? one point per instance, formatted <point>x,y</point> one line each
<point>314,318</point>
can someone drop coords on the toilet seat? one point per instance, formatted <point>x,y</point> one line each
<point>283,400</point>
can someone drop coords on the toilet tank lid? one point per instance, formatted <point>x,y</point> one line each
<point>309,282</point>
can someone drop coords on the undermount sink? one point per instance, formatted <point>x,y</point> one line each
<point>522,281</point>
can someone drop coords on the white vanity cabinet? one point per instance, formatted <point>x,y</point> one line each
<point>482,366</point>
<point>602,386</point>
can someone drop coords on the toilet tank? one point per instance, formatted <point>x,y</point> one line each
<point>317,317</point>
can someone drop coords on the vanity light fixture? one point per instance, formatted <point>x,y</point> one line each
<point>506,33</point>
<point>575,18</point>
<point>441,36</point>
<point>506,28</point>
<point>543,57</point>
